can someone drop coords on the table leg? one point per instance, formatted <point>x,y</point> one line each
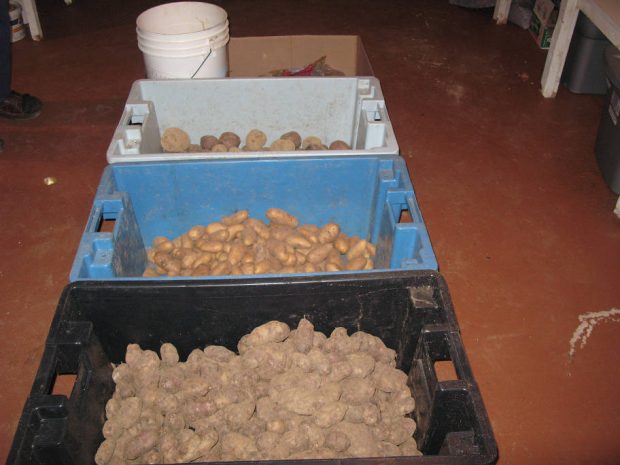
<point>502,8</point>
<point>559,47</point>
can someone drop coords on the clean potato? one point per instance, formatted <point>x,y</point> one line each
<point>241,245</point>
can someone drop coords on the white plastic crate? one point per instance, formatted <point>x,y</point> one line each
<point>351,109</point>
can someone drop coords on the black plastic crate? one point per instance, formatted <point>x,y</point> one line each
<point>412,313</point>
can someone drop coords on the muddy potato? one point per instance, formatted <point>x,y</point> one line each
<point>389,379</point>
<point>207,142</point>
<point>311,140</point>
<point>169,354</point>
<point>337,440</point>
<point>289,394</point>
<point>267,440</point>
<point>330,414</point>
<point>273,331</point>
<point>141,444</point>
<point>230,139</point>
<point>303,337</point>
<point>339,145</point>
<point>175,140</point>
<point>294,137</point>
<point>105,451</point>
<point>361,365</point>
<point>409,448</point>
<point>219,148</point>
<point>255,140</point>
<point>356,391</point>
<point>282,145</point>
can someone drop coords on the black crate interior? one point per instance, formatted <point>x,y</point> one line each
<point>96,321</point>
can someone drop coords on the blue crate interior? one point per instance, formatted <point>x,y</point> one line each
<point>364,195</point>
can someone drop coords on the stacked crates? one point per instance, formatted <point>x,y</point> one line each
<point>147,193</point>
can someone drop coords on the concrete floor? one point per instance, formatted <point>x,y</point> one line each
<point>520,218</point>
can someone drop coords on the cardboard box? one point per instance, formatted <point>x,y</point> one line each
<point>544,16</point>
<point>258,56</point>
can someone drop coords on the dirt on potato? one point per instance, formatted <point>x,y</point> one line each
<point>285,394</point>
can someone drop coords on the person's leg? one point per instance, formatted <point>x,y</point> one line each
<point>5,54</point>
<point>5,50</point>
<point>12,104</point>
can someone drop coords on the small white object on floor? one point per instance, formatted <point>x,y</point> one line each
<point>587,323</point>
<point>617,209</point>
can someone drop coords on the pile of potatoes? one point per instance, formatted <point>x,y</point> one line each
<point>176,140</point>
<point>287,395</point>
<point>240,245</point>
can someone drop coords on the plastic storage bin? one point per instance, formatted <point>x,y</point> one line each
<point>346,108</point>
<point>94,322</point>
<point>607,147</point>
<point>365,195</point>
<point>584,71</point>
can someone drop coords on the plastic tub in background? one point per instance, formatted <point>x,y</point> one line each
<point>584,70</point>
<point>607,147</point>
<point>184,40</point>
<point>351,109</point>
<point>18,31</point>
<point>365,195</point>
<point>95,321</point>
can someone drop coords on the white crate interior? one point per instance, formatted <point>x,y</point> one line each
<point>349,109</point>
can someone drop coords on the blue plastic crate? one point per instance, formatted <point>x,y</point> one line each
<point>366,196</point>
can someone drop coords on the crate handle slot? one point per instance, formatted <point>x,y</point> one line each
<point>136,120</point>
<point>44,433</point>
<point>106,224</point>
<point>105,216</point>
<point>136,114</point>
<point>405,215</point>
<point>112,244</point>
<point>444,370</point>
<point>63,384</point>
<point>444,404</point>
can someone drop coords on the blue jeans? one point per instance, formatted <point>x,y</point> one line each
<point>5,49</point>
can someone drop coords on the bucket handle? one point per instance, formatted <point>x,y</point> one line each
<point>203,62</point>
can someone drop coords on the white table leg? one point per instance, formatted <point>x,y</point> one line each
<point>559,47</point>
<point>502,8</point>
<point>30,11</point>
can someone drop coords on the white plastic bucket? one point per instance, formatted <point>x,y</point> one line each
<point>18,31</point>
<point>184,40</point>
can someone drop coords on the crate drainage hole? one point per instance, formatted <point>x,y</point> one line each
<point>63,385</point>
<point>445,370</point>
<point>405,217</point>
<point>106,225</point>
<point>136,120</point>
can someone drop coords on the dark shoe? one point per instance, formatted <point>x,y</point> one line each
<point>20,106</point>
<point>1,145</point>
